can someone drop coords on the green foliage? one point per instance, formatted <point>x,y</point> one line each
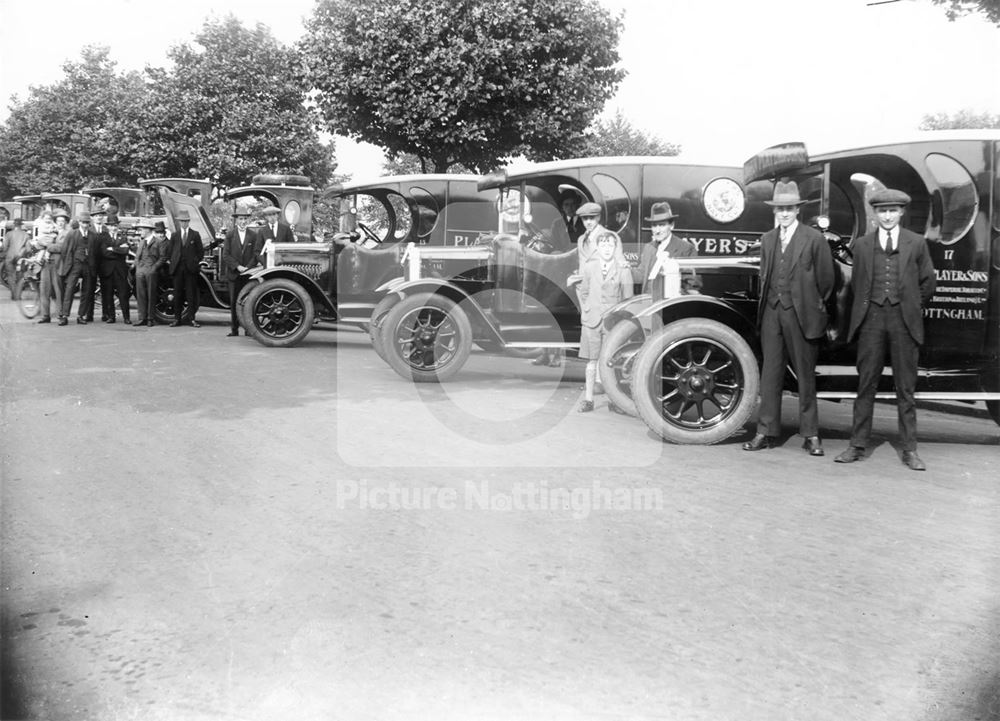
<point>460,81</point>
<point>232,106</point>
<point>989,9</point>
<point>73,133</point>
<point>961,119</point>
<point>617,136</point>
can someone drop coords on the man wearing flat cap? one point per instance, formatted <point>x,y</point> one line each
<point>664,245</point>
<point>150,255</point>
<point>240,253</point>
<point>275,229</point>
<point>796,279</point>
<point>893,280</point>
<point>184,256</point>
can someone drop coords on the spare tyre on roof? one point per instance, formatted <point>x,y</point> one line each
<point>281,180</point>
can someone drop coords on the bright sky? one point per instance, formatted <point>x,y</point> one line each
<point>722,78</point>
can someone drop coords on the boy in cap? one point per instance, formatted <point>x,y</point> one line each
<point>150,256</point>
<point>796,279</point>
<point>893,279</point>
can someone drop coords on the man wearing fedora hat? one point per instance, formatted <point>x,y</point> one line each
<point>113,268</point>
<point>150,255</point>
<point>275,229</point>
<point>185,254</point>
<point>893,279</point>
<point>796,279</point>
<point>240,252</point>
<point>76,264</point>
<point>664,245</point>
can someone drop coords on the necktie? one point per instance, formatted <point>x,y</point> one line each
<point>784,239</point>
<point>888,243</point>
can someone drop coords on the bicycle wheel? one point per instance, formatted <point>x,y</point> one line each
<point>29,299</point>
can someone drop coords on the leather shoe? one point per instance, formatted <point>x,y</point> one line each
<point>150,323</point>
<point>45,320</point>
<point>912,460</point>
<point>232,333</point>
<point>853,453</point>
<point>586,406</point>
<point>127,321</point>
<point>814,445</point>
<point>195,324</point>
<point>174,324</point>
<point>81,321</point>
<point>110,322</point>
<point>759,442</point>
<point>63,321</point>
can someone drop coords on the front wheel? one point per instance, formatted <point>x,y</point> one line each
<point>695,381</point>
<point>29,299</point>
<point>280,312</point>
<point>379,314</point>
<point>427,338</point>
<point>616,362</point>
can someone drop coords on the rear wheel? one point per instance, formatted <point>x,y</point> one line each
<point>29,299</point>
<point>695,381</point>
<point>379,313</point>
<point>279,312</point>
<point>427,338</point>
<point>164,308</point>
<point>616,362</point>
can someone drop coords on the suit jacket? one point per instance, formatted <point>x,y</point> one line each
<point>916,280</point>
<point>284,234</point>
<point>247,254</point>
<point>598,294</point>
<point>150,256</point>
<point>812,276</point>
<point>185,258</point>
<point>676,248</point>
<point>15,240</point>
<point>110,250</point>
<point>71,242</point>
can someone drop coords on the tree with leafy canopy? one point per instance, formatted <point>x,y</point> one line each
<point>232,105</point>
<point>461,81</point>
<point>989,9</point>
<point>73,133</point>
<point>962,119</point>
<point>618,136</point>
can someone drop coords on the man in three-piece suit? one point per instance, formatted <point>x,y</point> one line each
<point>796,279</point>
<point>78,262</point>
<point>150,255</point>
<point>275,229</point>
<point>113,269</point>
<point>240,253</point>
<point>663,246</point>
<point>184,258</point>
<point>893,279</point>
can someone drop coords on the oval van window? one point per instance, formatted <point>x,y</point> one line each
<point>954,202</point>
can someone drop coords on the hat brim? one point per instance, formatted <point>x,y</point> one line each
<point>785,203</point>
<point>661,219</point>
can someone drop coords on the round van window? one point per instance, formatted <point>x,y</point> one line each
<point>954,202</point>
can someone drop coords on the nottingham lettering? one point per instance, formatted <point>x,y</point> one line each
<point>953,313</point>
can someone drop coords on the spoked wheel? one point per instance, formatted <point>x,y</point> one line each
<point>164,308</point>
<point>695,381</point>
<point>29,298</point>
<point>617,360</point>
<point>427,338</point>
<point>280,312</point>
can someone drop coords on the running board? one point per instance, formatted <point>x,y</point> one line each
<point>920,396</point>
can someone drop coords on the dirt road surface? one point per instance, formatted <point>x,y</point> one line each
<point>197,527</point>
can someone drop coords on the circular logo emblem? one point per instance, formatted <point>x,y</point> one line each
<point>723,200</point>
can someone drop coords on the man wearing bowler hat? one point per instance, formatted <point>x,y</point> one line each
<point>150,255</point>
<point>893,280</point>
<point>274,229</point>
<point>240,252</point>
<point>113,266</point>
<point>796,279</point>
<point>76,263</point>
<point>663,246</point>
<point>184,256</point>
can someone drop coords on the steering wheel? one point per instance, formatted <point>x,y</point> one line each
<point>369,232</point>
<point>840,248</point>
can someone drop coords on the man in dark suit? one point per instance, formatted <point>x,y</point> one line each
<point>76,263</point>
<point>893,279</point>
<point>185,254</point>
<point>113,270</point>
<point>275,229</point>
<point>796,279</point>
<point>240,253</point>
<point>663,246</point>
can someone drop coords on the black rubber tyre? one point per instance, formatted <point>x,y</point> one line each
<point>164,308</point>
<point>279,313</point>
<point>29,300</point>
<point>695,381</point>
<point>994,408</point>
<point>427,338</point>
<point>616,362</point>
<point>241,307</point>
<point>379,314</point>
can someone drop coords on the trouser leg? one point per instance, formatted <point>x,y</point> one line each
<point>87,289</point>
<point>772,373</point>
<point>802,353</point>
<point>870,361</point>
<point>904,354</point>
